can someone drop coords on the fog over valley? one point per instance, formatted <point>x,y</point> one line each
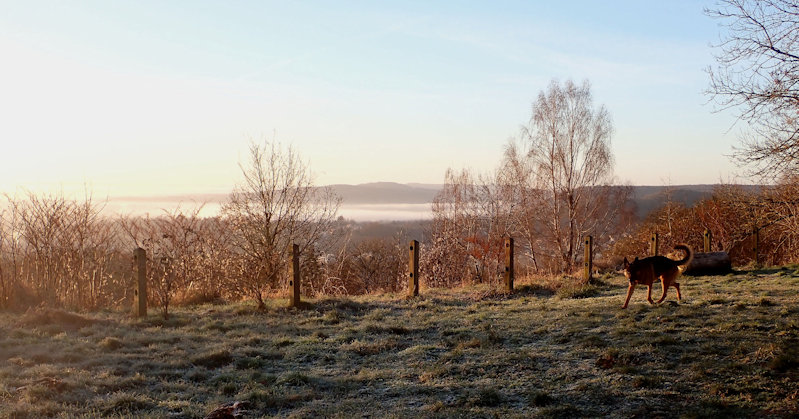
<point>380,201</point>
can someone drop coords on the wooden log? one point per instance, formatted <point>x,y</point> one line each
<point>710,263</point>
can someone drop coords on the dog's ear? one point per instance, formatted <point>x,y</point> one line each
<point>636,259</point>
<point>626,264</point>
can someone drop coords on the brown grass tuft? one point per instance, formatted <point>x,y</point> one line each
<point>110,343</point>
<point>62,319</point>
<point>213,359</point>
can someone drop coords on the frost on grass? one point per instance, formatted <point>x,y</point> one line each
<point>730,344</point>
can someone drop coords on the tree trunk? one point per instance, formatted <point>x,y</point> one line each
<point>260,300</point>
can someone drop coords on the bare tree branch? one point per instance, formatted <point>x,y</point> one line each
<point>757,74</point>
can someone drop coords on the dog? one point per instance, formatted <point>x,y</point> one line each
<point>647,270</point>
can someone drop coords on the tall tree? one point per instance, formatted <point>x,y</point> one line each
<point>276,205</point>
<point>571,161</point>
<point>757,74</point>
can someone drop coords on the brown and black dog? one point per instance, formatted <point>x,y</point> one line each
<point>647,270</point>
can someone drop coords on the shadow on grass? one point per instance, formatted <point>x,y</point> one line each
<point>342,305</point>
<point>717,409</point>
<point>763,270</point>
<point>533,291</point>
<point>175,320</point>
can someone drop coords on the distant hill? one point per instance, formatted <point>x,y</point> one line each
<point>650,198</point>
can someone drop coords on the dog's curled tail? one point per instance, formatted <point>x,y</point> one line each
<point>689,255</point>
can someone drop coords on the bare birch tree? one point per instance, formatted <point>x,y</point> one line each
<point>275,206</point>
<point>570,157</point>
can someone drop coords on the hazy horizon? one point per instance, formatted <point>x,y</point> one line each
<point>154,98</point>
<point>357,206</point>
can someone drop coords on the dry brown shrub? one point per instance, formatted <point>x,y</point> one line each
<point>736,217</point>
<point>59,251</point>
<point>194,296</point>
<point>46,316</point>
<point>673,222</point>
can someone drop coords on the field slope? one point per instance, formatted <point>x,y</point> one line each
<point>728,349</point>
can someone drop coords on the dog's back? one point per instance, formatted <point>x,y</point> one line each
<point>645,271</point>
<point>649,268</point>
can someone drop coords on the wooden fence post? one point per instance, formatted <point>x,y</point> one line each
<point>294,283</point>
<point>413,269</point>
<point>509,274</point>
<point>653,245</point>
<point>140,290</point>
<point>589,258</point>
<point>708,236</point>
<point>756,246</point>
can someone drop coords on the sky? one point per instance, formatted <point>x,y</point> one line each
<point>163,97</point>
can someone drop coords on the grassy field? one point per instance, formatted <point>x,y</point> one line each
<point>730,348</point>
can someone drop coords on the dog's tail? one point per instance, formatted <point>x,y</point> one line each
<point>689,255</point>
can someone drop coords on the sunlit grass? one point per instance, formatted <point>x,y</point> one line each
<point>727,349</point>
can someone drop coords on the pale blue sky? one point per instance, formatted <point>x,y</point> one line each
<point>162,97</point>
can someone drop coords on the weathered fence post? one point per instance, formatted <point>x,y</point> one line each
<point>756,245</point>
<point>708,236</point>
<point>413,269</point>
<point>509,274</point>
<point>589,258</point>
<point>294,283</point>
<point>140,290</point>
<point>653,245</point>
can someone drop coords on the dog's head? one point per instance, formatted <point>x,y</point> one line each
<point>630,270</point>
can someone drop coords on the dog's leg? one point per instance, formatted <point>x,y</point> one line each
<point>649,294</point>
<point>629,294</point>
<point>677,285</point>
<point>665,285</point>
